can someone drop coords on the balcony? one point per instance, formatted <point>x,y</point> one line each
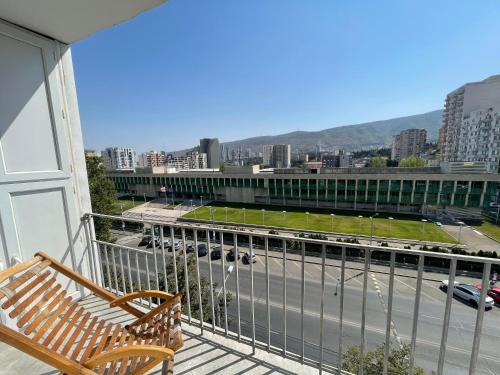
<point>300,307</point>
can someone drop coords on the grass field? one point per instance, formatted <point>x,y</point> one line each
<point>490,229</point>
<point>407,227</point>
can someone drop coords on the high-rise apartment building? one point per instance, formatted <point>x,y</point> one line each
<point>276,156</point>
<point>119,158</point>
<point>410,142</point>
<point>341,160</point>
<point>192,160</point>
<point>151,159</point>
<point>470,124</point>
<point>210,146</point>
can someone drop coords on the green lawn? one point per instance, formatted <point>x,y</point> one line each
<point>408,227</point>
<point>490,229</point>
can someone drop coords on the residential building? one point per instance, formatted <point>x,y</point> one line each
<point>340,160</point>
<point>119,158</point>
<point>276,156</point>
<point>470,123</point>
<point>410,142</point>
<point>151,159</point>
<point>210,147</point>
<point>192,160</point>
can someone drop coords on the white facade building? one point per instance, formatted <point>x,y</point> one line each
<point>277,156</point>
<point>119,158</point>
<point>479,137</point>
<point>267,152</point>
<point>473,105</point>
<point>151,159</point>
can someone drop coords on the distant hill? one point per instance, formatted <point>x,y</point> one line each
<point>350,137</point>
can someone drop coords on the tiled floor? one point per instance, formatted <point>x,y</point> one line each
<point>205,353</point>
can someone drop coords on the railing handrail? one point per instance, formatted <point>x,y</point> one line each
<point>469,258</point>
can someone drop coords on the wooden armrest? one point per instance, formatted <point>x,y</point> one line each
<point>165,305</point>
<point>158,352</point>
<point>141,294</point>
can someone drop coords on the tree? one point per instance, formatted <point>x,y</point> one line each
<point>373,362</point>
<point>413,161</point>
<point>102,195</point>
<point>378,162</point>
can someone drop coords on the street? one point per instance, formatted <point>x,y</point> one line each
<point>462,322</point>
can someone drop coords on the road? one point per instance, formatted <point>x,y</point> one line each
<point>461,328</point>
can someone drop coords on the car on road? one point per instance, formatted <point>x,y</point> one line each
<point>231,255</point>
<point>439,224</point>
<point>247,256</point>
<point>202,250</point>
<point>145,240</point>
<point>468,293</point>
<point>492,292</point>
<point>216,253</point>
<point>190,247</point>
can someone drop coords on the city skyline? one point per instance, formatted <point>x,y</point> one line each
<point>168,100</point>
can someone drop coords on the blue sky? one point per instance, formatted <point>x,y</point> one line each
<point>232,69</point>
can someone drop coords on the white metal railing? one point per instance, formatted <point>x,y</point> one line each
<point>138,268</point>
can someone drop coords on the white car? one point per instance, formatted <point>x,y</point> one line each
<point>247,256</point>
<point>439,224</point>
<point>468,293</point>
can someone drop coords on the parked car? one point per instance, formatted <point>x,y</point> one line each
<point>216,253</point>
<point>493,293</point>
<point>190,247</point>
<point>150,242</point>
<point>468,293</point>
<point>146,239</point>
<point>247,257</point>
<point>202,250</point>
<point>231,254</point>
<point>439,224</point>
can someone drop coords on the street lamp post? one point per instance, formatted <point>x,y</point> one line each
<point>244,216</point>
<point>133,202</point>
<point>307,220</point>
<point>360,217</point>
<point>225,209</point>
<point>229,271</point>
<point>390,225</point>
<point>284,218</point>
<point>460,231</point>
<point>332,216</point>
<point>422,229</point>
<point>263,217</point>
<point>144,195</point>
<point>201,200</point>
<point>371,227</point>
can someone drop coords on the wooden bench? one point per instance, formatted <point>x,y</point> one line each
<point>56,329</point>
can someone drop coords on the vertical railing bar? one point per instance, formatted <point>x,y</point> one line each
<point>389,313</point>
<point>107,267</point>
<point>122,270</point>
<point>195,238</point>
<point>363,310</point>
<point>172,244</point>
<point>418,289</point>
<point>268,306</point>
<point>114,268</point>
<point>155,262</point>
<point>341,311</point>
<point>302,298</point>
<point>96,252</point>
<point>186,273</point>
<point>223,264</point>
<point>93,267</point>
<point>284,298</point>
<point>138,273</point>
<point>479,319</point>
<point>211,279</point>
<point>447,313</point>
<point>252,307</point>
<point>238,308</point>
<point>130,282</point>
<point>163,257</point>
<point>321,321</point>
<point>148,281</point>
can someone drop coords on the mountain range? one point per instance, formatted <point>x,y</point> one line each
<point>349,137</point>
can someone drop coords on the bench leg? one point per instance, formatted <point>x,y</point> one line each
<point>167,368</point>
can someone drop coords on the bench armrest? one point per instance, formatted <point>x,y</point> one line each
<point>141,294</point>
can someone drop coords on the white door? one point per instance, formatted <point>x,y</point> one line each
<point>39,203</point>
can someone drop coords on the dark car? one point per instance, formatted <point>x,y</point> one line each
<point>231,254</point>
<point>247,256</point>
<point>202,250</point>
<point>146,239</point>
<point>216,253</point>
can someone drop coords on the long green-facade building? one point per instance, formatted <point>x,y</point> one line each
<point>385,189</point>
